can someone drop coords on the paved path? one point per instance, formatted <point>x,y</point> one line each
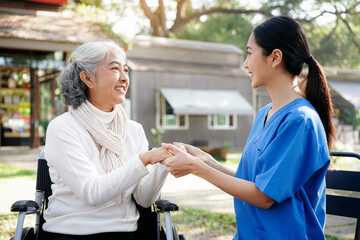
<point>187,191</point>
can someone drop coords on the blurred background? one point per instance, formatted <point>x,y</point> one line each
<point>185,58</point>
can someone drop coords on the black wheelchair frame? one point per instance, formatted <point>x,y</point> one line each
<point>149,226</point>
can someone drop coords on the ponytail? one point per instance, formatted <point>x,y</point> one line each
<point>318,94</point>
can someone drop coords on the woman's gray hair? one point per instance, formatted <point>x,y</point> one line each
<point>87,57</point>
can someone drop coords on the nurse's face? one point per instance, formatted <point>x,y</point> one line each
<point>256,63</point>
<point>110,83</point>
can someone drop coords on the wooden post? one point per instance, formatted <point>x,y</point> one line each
<point>35,109</point>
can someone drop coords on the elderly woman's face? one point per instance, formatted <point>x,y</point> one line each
<point>110,83</point>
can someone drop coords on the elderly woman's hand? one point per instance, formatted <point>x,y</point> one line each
<point>181,163</point>
<point>194,151</point>
<point>155,155</point>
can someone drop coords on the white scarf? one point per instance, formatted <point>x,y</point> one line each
<point>111,140</point>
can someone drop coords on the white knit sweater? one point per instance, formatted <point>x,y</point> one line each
<point>81,202</point>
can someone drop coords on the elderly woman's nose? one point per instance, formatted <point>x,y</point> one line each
<point>123,77</point>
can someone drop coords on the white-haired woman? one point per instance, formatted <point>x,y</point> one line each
<point>98,159</point>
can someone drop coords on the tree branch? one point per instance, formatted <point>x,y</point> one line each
<point>162,15</point>
<point>155,22</point>
<point>180,22</point>
<point>181,8</point>
<point>353,36</point>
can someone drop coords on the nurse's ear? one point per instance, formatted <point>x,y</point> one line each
<point>86,78</point>
<point>276,58</point>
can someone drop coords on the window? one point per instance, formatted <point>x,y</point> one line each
<point>222,121</point>
<point>166,118</point>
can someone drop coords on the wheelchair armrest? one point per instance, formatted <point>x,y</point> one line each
<point>24,205</point>
<point>166,205</point>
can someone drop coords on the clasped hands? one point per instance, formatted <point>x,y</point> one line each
<point>179,158</point>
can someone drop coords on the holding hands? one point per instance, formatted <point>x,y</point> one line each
<point>185,159</point>
<point>154,156</point>
<point>182,159</point>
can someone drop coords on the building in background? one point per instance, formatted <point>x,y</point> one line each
<point>36,37</point>
<point>195,91</point>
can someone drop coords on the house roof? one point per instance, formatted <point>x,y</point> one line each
<point>185,51</point>
<point>185,56</point>
<point>146,65</point>
<point>46,31</point>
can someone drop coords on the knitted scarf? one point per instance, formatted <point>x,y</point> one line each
<point>111,140</point>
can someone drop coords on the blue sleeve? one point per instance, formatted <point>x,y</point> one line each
<point>296,152</point>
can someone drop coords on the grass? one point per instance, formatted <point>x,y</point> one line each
<point>8,175</point>
<point>188,218</point>
<point>7,171</point>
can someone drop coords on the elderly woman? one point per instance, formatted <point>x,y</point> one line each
<point>98,159</point>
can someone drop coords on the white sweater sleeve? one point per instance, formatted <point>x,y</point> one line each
<point>149,188</point>
<point>69,157</point>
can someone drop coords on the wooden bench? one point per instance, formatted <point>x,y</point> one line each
<point>341,204</point>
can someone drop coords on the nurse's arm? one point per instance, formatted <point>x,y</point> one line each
<point>183,163</point>
<point>206,158</point>
<point>239,188</point>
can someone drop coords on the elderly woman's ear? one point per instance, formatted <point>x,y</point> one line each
<point>86,78</point>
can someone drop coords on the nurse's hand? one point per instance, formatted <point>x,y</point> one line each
<point>182,163</point>
<point>196,152</point>
<point>155,155</point>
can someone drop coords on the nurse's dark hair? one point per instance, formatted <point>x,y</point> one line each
<point>286,34</point>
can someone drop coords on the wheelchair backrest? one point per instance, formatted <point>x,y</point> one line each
<point>43,181</point>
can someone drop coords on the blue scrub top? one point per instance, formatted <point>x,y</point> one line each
<point>287,158</point>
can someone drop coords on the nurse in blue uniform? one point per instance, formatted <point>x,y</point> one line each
<point>279,186</point>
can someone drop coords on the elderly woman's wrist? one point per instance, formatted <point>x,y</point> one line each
<point>144,158</point>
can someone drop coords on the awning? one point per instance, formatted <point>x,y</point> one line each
<point>204,102</point>
<point>349,90</point>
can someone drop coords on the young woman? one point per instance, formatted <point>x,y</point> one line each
<point>98,159</point>
<point>279,187</point>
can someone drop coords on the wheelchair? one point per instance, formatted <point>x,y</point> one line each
<point>149,225</point>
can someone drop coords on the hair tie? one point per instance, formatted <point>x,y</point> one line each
<point>308,60</point>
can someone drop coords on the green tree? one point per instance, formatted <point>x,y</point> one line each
<point>335,43</point>
<point>222,28</point>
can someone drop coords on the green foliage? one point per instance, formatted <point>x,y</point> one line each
<point>227,145</point>
<point>333,47</point>
<point>157,136</point>
<point>335,43</point>
<point>283,7</point>
<point>221,28</point>
<point>350,117</point>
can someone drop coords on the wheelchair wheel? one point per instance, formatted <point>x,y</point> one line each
<point>162,233</point>
<point>175,234</point>
<point>182,237</point>
<point>27,234</point>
